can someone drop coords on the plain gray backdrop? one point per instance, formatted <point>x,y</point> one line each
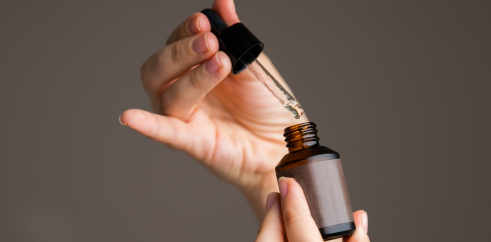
<point>400,88</point>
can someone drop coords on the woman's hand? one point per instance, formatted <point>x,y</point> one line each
<point>288,218</point>
<point>230,123</point>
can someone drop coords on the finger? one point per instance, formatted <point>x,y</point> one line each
<point>168,130</point>
<point>177,134</point>
<point>226,10</point>
<point>195,24</point>
<point>361,222</point>
<point>179,100</point>
<point>176,59</point>
<point>272,226</point>
<point>299,224</point>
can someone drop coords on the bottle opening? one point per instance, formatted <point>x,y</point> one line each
<point>301,136</point>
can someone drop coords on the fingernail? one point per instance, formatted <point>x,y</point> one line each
<point>121,121</point>
<point>200,44</point>
<point>364,218</point>
<point>283,184</point>
<point>213,65</point>
<point>270,200</point>
<point>193,25</point>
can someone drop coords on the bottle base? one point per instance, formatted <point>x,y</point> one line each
<point>337,231</point>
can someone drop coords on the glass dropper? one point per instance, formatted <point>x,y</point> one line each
<point>283,96</point>
<point>243,48</point>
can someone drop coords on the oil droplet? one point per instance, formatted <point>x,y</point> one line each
<point>295,108</point>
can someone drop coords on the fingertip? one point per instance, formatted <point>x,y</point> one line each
<point>293,186</point>
<point>193,24</point>
<point>295,191</point>
<point>283,186</point>
<point>365,222</point>
<point>361,220</point>
<point>224,60</point>
<point>271,199</point>
<point>292,193</point>
<point>212,42</point>
<point>203,23</point>
<point>127,115</point>
<point>226,10</point>
<point>213,65</point>
<point>218,66</point>
<point>121,122</point>
<point>272,228</point>
<point>139,120</point>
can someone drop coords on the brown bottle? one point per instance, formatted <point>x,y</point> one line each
<point>319,172</point>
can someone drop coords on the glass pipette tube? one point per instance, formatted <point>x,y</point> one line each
<point>285,98</point>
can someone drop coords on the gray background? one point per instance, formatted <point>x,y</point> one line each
<point>400,88</point>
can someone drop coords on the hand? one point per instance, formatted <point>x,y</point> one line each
<point>230,123</point>
<point>288,218</point>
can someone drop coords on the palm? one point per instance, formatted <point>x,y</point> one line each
<point>238,128</point>
<point>230,123</point>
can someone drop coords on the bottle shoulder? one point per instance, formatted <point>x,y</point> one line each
<point>306,156</point>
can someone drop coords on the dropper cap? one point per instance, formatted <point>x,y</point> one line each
<point>236,41</point>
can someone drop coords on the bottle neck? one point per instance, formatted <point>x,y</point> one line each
<point>301,136</point>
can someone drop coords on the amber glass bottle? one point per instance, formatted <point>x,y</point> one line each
<point>319,172</point>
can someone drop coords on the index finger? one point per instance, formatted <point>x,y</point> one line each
<point>299,224</point>
<point>198,22</point>
<point>195,24</point>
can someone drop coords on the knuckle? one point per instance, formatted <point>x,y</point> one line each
<point>178,52</point>
<point>195,80</point>
<point>183,31</point>
<point>151,66</point>
<point>172,38</point>
<point>146,77</point>
<point>175,53</point>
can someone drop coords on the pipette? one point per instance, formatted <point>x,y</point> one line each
<point>243,48</point>
<point>285,98</point>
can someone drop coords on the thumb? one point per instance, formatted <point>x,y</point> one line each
<point>226,10</point>
<point>298,221</point>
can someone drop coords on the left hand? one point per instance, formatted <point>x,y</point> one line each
<point>288,218</point>
<point>229,123</point>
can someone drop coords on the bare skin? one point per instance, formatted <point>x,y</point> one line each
<point>229,123</point>
<point>288,218</point>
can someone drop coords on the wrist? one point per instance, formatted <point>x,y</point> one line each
<point>257,190</point>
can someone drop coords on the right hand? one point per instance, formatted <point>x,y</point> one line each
<point>230,123</point>
<point>288,218</point>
